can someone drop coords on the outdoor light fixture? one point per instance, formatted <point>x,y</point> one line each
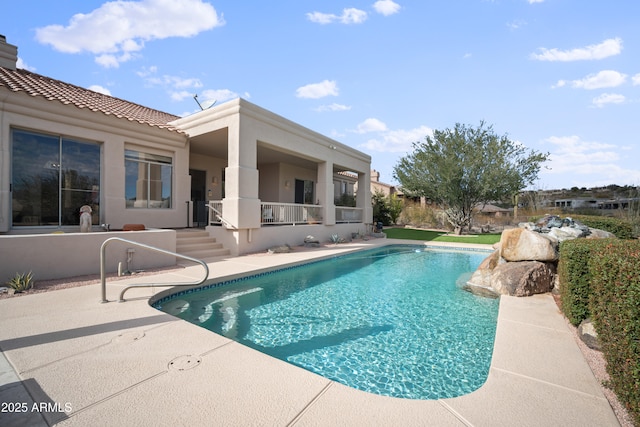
<point>287,184</point>
<point>214,181</point>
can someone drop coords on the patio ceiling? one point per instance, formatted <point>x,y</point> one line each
<point>215,144</point>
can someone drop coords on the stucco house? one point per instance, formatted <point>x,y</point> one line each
<point>250,178</point>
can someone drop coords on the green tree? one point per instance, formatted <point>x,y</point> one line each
<point>465,167</point>
<point>380,208</point>
<point>396,204</point>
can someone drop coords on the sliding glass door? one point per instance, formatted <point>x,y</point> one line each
<point>52,177</point>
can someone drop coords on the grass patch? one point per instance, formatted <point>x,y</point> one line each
<point>439,236</point>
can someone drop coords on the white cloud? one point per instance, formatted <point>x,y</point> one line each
<point>636,79</point>
<point>609,47</point>
<point>371,125</point>
<point>602,79</point>
<point>219,95</point>
<point>608,98</point>
<point>349,16</point>
<point>318,90</point>
<point>386,7</point>
<point>117,29</point>
<point>534,1</point>
<point>516,25</point>
<point>100,89</point>
<point>23,65</point>
<point>333,107</point>
<point>395,141</point>
<point>573,155</point>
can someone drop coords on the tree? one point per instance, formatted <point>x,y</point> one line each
<point>465,167</point>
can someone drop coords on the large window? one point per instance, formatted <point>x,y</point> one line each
<point>52,177</point>
<point>148,180</point>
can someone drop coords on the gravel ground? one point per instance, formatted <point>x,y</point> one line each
<point>594,358</point>
<point>598,366</point>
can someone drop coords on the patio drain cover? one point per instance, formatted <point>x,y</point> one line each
<point>183,363</point>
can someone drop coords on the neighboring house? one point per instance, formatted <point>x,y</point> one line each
<point>252,178</point>
<point>576,203</point>
<point>378,186</point>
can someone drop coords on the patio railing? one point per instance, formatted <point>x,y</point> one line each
<point>348,215</point>
<point>274,213</point>
<point>290,213</point>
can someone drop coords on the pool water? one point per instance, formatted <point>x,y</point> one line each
<point>393,321</point>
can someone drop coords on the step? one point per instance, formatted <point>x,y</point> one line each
<point>198,244</point>
<point>195,246</point>
<point>195,240</point>
<point>206,253</point>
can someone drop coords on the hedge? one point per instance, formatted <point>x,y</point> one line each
<point>574,276</point>
<point>600,279</point>
<point>622,228</point>
<point>615,309</point>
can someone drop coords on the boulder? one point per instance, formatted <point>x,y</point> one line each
<point>311,242</point>
<point>523,278</point>
<point>482,276</point>
<point>600,234</point>
<point>588,334</point>
<point>520,244</point>
<point>481,291</point>
<point>565,233</point>
<point>282,249</point>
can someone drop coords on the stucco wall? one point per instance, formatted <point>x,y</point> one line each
<point>237,241</point>
<point>114,136</point>
<point>54,256</point>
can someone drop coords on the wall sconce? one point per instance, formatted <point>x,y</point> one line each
<point>214,181</point>
<point>287,184</point>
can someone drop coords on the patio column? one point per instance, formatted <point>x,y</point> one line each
<point>363,196</point>
<point>241,205</point>
<point>325,192</point>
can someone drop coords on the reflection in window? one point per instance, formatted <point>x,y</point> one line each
<point>52,177</point>
<point>148,180</point>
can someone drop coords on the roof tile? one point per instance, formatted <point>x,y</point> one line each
<point>33,84</point>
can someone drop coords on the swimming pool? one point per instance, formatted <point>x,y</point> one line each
<point>392,321</point>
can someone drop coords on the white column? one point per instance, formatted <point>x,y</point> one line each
<point>363,196</point>
<point>241,205</point>
<point>325,193</point>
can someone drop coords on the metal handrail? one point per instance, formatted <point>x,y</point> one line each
<point>103,280</point>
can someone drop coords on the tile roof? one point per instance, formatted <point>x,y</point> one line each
<point>32,84</point>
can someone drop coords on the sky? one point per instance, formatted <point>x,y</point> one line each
<point>557,76</point>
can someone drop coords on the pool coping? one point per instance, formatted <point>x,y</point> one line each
<point>128,364</point>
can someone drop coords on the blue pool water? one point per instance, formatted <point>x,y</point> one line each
<point>392,321</point>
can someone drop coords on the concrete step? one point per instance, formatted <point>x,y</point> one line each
<point>199,244</point>
<point>206,253</point>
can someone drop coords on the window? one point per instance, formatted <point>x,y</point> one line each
<point>52,177</point>
<point>148,180</point>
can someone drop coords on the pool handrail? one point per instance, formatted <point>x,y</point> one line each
<point>103,280</point>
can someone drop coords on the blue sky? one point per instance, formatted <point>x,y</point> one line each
<point>558,76</point>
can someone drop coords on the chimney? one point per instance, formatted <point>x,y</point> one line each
<point>375,175</point>
<point>8,54</point>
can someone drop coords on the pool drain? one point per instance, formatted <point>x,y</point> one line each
<point>184,363</point>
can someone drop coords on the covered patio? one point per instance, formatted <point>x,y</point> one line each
<point>252,169</point>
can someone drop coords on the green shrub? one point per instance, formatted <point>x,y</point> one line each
<point>574,276</point>
<point>615,310</point>
<point>21,282</point>
<point>622,228</point>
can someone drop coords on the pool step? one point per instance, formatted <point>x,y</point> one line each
<point>199,244</point>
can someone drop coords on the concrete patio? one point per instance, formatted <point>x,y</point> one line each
<point>128,364</point>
